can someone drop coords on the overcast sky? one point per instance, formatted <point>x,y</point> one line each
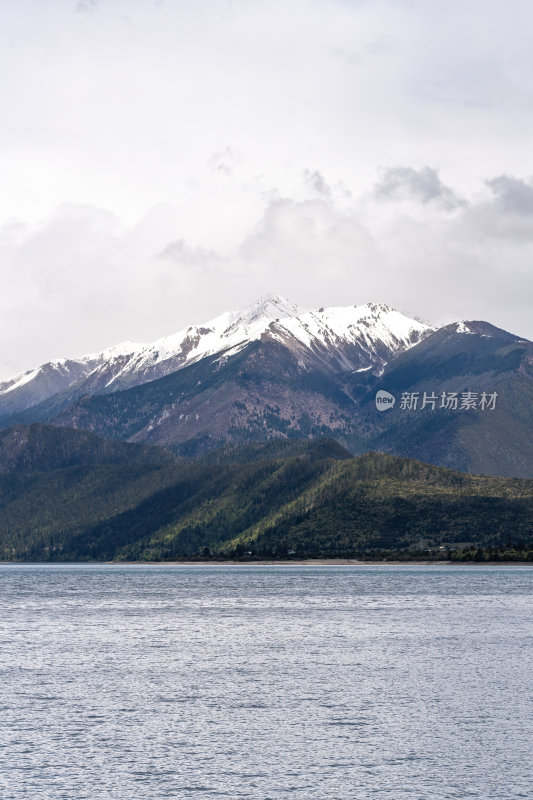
<point>161,162</point>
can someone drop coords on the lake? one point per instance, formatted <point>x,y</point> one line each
<point>258,681</point>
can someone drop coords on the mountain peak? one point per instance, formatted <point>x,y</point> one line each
<point>481,328</point>
<point>378,308</point>
<point>269,306</point>
<point>350,338</point>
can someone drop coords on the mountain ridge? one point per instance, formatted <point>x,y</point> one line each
<point>44,448</point>
<point>354,337</point>
<point>273,372</point>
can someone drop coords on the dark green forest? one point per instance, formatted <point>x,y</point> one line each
<point>293,500</point>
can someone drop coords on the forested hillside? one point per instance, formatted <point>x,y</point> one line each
<point>313,500</point>
<point>42,448</point>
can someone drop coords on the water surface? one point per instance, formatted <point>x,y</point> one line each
<point>330,682</point>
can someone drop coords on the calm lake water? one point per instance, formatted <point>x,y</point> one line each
<point>264,682</point>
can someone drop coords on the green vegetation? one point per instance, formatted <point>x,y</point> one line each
<point>41,448</point>
<point>508,552</point>
<point>308,499</point>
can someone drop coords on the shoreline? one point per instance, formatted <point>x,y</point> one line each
<point>316,562</point>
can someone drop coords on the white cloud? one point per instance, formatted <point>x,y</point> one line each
<point>243,139</point>
<point>309,249</point>
<point>84,280</point>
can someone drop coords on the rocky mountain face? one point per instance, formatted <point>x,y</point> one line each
<point>264,391</point>
<point>462,395</point>
<point>464,399</point>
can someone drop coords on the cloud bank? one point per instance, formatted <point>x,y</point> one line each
<point>162,161</point>
<point>84,280</point>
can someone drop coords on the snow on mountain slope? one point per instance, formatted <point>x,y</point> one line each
<point>361,337</point>
<point>70,369</point>
<point>353,338</point>
<point>229,331</point>
<point>377,330</point>
<point>33,387</point>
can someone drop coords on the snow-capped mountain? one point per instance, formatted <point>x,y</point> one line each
<point>353,338</point>
<point>34,386</point>
<point>274,371</point>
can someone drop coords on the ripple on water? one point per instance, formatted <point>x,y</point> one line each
<point>265,682</point>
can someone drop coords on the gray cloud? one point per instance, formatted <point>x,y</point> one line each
<point>84,6</point>
<point>514,195</point>
<point>181,253</point>
<point>506,215</point>
<point>316,181</point>
<point>423,185</point>
<point>224,161</point>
